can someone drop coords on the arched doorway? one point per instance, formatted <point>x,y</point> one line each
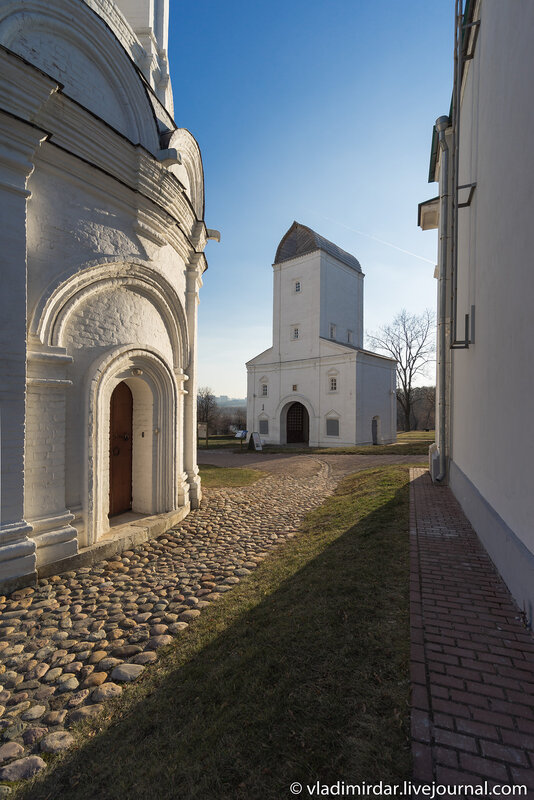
<point>297,424</point>
<point>376,432</point>
<point>120,450</point>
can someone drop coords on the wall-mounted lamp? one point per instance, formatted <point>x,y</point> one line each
<point>136,371</point>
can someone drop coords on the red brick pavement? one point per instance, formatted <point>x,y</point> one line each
<point>472,659</point>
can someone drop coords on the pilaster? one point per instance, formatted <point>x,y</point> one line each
<point>193,284</point>
<point>19,141</point>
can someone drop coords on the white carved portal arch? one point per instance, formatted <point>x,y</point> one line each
<point>156,458</point>
<point>50,318</point>
<point>155,378</point>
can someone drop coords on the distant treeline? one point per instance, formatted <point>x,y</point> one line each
<point>219,420</point>
<point>423,408</point>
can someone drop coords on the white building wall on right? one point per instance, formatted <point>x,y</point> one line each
<point>492,421</point>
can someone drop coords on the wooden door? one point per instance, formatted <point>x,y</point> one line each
<point>120,455</point>
<point>297,424</point>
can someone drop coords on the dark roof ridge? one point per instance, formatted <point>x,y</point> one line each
<point>300,240</point>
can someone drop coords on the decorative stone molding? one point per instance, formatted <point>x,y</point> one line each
<point>38,87</point>
<point>87,59</point>
<point>51,313</point>
<point>191,170</point>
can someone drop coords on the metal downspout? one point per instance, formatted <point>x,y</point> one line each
<point>442,123</point>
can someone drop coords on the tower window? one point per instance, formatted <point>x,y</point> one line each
<point>350,337</point>
<point>333,384</point>
<point>295,332</point>
<point>295,387</point>
<point>332,331</point>
<point>297,286</point>
<point>264,426</point>
<point>264,390</point>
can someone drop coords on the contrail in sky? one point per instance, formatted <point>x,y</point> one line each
<point>376,239</point>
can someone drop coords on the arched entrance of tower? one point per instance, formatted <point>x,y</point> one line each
<point>297,424</point>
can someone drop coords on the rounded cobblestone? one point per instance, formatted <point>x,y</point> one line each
<point>109,619</point>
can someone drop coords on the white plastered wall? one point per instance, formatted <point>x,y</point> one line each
<point>493,385</point>
<point>375,382</point>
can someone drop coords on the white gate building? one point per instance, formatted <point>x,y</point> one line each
<point>317,385</point>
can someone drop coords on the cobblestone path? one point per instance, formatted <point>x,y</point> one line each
<point>70,644</point>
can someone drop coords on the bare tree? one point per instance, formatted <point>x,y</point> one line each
<point>422,410</point>
<point>207,408</point>
<point>410,340</point>
<point>239,417</point>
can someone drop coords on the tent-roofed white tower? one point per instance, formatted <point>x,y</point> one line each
<point>317,384</point>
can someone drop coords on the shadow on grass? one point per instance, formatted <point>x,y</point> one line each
<point>299,674</point>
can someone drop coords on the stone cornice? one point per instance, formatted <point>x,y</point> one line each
<point>74,129</point>
<point>38,87</point>
<point>18,142</point>
<point>150,211</point>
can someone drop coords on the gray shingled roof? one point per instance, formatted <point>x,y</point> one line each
<point>300,240</point>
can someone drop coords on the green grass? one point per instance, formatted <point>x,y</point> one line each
<point>299,674</point>
<point>219,442</point>
<point>415,436</point>
<point>218,477</point>
<point>414,443</point>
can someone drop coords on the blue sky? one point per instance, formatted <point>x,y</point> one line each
<point>318,111</point>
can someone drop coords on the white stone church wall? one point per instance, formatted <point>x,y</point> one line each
<point>375,383</point>
<point>73,46</point>
<point>66,233</point>
<point>103,285</point>
<point>45,451</point>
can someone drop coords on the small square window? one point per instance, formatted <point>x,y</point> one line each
<point>264,390</point>
<point>295,333</point>
<point>264,426</point>
<point>350,337</point>
<point>332,427</point>
<point>333,384</point>
<point>295,387</point>
<point>297,287</point>
<point>332,331</point>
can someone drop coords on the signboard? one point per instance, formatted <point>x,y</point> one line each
<point>241,434</point>
<point>255,442</point>
<point>201,431</point>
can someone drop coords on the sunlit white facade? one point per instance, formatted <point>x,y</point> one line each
<point>317,385</point>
